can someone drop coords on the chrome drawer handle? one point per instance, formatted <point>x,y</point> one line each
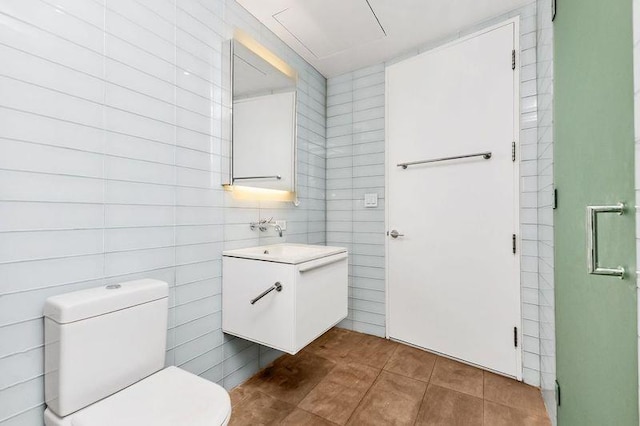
<point>277,287</point>
<point>592,240</point>
<point>309,266</point>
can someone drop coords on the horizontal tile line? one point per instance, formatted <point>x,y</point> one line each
<point>353,100</point>
<point>137,24</point>
<point>365,310</point>
<point>191,321</point>
<point>21,321</point>
<point>37,377</point>
<point>21,352</point>
<point>97,278</point>
<point>103,54</point>
<point>57,36</point>
<point>9,324</point>
<point>102,153</point>
<point>101,128</point>
<point>186,12</point>
<point>198,356</point>
<point>180,305</point>
<point>199,280</point>
<point>366,322</point>
<point>242,366</point>
<point>197,337</point>
<point>99,178</point>
<point>105,105</point>
<point>12,416</point>
<point>105,228</point>
<point>369,300</point>
<point>40,259</point>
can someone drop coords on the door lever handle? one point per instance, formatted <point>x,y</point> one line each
<point>395,234</point>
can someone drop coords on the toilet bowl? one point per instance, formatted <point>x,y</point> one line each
<point>104,363</point>
<point>170,397</point>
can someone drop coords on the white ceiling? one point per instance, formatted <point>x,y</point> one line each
<point>339,36</point>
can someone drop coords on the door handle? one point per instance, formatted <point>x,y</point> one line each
<point>395,234</point>
<point>592,240</point>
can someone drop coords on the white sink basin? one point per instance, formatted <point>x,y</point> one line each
<point>292,254</point>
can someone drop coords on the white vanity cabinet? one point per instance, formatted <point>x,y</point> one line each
<point>312,295</point>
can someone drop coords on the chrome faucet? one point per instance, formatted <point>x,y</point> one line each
<point>277,227</point>
<point>264,224</point>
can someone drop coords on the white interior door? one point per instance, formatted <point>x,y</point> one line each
<point>453,277</point>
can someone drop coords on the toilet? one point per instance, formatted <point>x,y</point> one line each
<point>105,362</point>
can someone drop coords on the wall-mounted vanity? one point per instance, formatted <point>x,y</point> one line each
<point>263,147</point>
<point>285,295</point>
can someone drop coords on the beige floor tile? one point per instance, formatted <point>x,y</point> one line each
<point>458,377</point>
<point>392,400</point>
<point>291,378</point>
<point>411,362</point>
<point>372,351</point>
<point>300,417</point>
<point>515,394</point>
<point>501,415</point>
<point>443,406</point>
<point>259,409</point>
<point>351,378</point>
<point>239,394</point>
<point>339,393</point>
<point>335,344</point>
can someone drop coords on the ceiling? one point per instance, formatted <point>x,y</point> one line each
<point>339,36</point>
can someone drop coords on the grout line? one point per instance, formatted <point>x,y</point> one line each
<point>483,394</point>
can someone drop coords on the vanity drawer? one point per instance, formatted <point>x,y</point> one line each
<point>313,298</point>
<point>269,321</point>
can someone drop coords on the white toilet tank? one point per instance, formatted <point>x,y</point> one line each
<point>101,340</point>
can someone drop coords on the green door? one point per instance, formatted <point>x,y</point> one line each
<point>596,322</point>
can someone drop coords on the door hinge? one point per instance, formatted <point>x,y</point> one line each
<point>513,243</point>
<point>555,198</point>
<point>513,151</point>
<point>558,394</point>
<point>513,59</point>
<point>515,337</point>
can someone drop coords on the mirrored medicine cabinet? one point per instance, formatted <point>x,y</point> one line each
<point>263,130</point>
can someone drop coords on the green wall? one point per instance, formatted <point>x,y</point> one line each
<point>596,322</point>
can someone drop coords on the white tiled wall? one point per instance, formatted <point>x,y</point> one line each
<point>112,119</point>
<point>546,304</point>
<point>355,146</point>
<point>355,166</point>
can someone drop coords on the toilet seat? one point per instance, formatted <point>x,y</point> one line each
<point>170,397</point>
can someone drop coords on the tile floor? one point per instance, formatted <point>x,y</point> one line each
<point>356,379</point>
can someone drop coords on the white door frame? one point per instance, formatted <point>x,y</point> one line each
<point>516,137</point>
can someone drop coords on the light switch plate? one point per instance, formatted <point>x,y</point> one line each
<point>370,200</point>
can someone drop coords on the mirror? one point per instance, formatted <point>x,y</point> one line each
<point>264,118</point>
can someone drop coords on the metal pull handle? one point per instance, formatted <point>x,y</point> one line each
<point>278,177</point>
<point>485,155</point>
<point>395,234</point>
<point>310,266</point>
<point>592,240</point>
<point>277,287</point>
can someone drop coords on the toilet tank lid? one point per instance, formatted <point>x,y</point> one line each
<point>79,305</point>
